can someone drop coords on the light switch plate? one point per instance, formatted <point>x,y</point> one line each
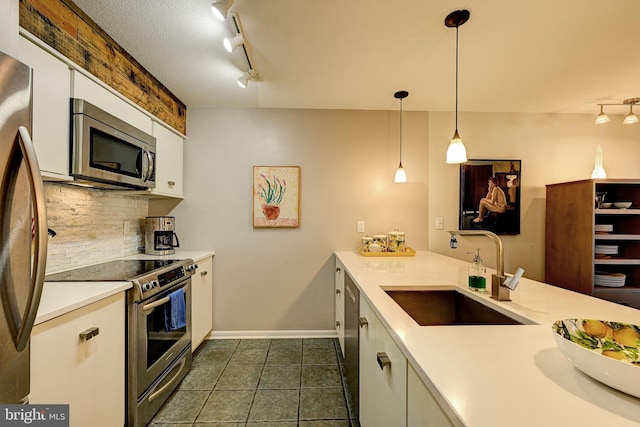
<point>439,223</point>
<point>360,226</point>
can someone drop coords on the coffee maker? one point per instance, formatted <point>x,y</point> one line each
<point>160,236</point>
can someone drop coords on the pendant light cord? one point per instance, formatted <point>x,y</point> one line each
<point>400,130</point>
<point>456,77</point>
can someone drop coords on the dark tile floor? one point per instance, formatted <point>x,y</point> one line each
<point>262,383</point>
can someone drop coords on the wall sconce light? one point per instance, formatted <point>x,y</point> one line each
<point>630,118</point>
<point>220,8</point>
<point>456,153</point>
<point>401,174</point>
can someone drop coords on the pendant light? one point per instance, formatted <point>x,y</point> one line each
<point>401,174</point>
<point>602,117</point>
<point>456,153</point>
<point>630,118</point>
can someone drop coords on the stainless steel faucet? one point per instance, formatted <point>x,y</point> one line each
<point>499,290</point>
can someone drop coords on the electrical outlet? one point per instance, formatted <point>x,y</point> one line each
<point>360,226</point>
<point>126,227</point>
<point>439,223</point>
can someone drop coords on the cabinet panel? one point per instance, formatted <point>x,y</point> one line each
<point>51,109</point>
<point>169,158</point>
<point>383,375</point>
<point>339,302</point>
<point>101,97</point>
<point>422,408</point>
<point>201,302</point>
<point>88,375</point>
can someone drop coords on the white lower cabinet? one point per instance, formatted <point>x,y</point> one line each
<point>383,375</point>
<point>201,302</point>
<point>422,408</point>
<point>88,374</point>
<point>339,306</point>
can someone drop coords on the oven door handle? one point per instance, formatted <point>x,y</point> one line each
<point>153,396</point>
<point>155,304</point>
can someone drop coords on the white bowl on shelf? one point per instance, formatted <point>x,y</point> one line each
<point>622,205</point>
<point>605,205</point>
<point>606,351</point>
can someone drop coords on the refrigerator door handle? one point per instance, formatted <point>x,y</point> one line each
<point>40,254</point>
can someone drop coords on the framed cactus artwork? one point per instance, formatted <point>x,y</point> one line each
<point>276,196</point>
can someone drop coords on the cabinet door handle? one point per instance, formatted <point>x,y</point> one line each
<point>363,322</point>
<point>171,183</point>
<point>338,291</point>
<point>338,269</point>
<point>337,323</point>
<point>383,360</point>
<point>204,273</point>
<point>89,333</point>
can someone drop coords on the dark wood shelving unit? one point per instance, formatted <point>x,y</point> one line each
<point>570,237</point>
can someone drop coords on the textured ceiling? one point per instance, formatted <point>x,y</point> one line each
<point>515,56</point>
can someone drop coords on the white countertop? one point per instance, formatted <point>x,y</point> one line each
<point>59,298</point>
<point>496,375</point>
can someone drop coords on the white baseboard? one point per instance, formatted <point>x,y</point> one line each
<point>271,334</point>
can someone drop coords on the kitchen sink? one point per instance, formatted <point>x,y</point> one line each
<point>447,307</point>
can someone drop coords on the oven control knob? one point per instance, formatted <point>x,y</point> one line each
<point>146,286</point>
<point>191,267</point>
<point>154,284</point>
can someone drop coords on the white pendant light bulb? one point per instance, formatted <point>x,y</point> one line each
<point>401,175</point>
<point>456,152</point>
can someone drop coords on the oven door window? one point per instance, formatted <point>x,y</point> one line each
<point>115,155</point>
<point>161,338</point>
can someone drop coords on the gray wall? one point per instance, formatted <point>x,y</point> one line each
<point>282,279</point>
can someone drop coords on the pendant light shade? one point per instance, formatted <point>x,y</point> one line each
<point>630,118</point>
<point>456,153</point>
<point>602,117</point>
<point>401,174</point>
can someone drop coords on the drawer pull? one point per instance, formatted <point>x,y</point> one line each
<point>204,273</point>
<point>363,322</point>
<point>383,360</point>
<point>171,183</point>
<point>89,333</point>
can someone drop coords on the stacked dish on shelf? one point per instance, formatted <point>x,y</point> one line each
<point>610,280</point>
<point>603,228</point>
<point>606,250</point>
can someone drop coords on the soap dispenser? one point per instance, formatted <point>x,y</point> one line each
<point>477,271</point>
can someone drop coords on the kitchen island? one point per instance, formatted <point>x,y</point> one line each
<point>495,375</point>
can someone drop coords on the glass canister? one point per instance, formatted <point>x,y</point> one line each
<point>364,243</point>
<point>380,240</point>
<point>396,241</point>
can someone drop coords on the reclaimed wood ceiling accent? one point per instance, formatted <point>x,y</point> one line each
<point>68,30</point>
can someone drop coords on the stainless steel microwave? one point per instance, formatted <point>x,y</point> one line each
<point>108,152</point>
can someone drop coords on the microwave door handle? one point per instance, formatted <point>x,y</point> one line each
<point>148,167</point>
<point>25,325</point>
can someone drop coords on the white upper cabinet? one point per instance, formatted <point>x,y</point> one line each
<point>169,146</point>
<point>84,88</point>
<point>51,107</point>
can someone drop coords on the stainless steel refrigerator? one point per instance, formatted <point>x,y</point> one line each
<point>23,230</point>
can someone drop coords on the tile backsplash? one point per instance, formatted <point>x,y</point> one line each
<point>91,224</point>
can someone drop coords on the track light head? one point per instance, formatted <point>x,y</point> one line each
<point>231,43</point>
<point>243,80</point>
<point>220,8</point>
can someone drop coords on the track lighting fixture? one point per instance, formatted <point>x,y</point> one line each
<point>401,174</point>
<point>243,80</point>
<point>231,43</point>
<point>220,8</point>
<point>456,153</point>
<point>630,118</point>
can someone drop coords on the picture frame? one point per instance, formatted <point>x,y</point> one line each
<point>474,183</point>
<point>276,196</point>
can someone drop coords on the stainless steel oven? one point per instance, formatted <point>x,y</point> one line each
<point>158,327</point>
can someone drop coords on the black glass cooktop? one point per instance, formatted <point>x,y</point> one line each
<point>118,270</point>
